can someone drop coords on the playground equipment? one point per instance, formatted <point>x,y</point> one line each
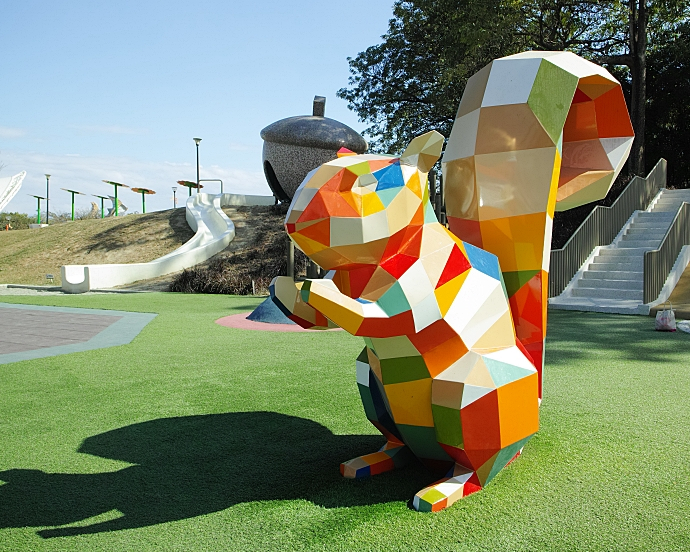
<point>38,211</point>
<point>102,198</point>
<point>297,145</point>
<point>9,186</point>
<point>189,185</point>
<point>144,192</point>
<point>214,231</point>
<point>73,192</point>
<point>115,201</point>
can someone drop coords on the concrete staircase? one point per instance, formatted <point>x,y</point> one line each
<point>611,280</point>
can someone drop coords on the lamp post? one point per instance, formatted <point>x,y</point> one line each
<point>196,141</point>
<point>174,196</point>
<point>47,199</point>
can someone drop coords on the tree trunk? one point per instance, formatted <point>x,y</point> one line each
<point>638,73</point>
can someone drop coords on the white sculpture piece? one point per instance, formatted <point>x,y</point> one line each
<point>9,186</point>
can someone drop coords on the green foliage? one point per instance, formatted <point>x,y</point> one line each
<point>412,82</point>
<point>17,221</point>
<point>668,118</point>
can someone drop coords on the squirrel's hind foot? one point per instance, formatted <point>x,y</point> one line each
<point>457,484</point>
<point>393,455</point>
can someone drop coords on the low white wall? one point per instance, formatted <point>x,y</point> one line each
<point>213,232</point>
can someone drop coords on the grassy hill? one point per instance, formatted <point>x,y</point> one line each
<point>257,251</point>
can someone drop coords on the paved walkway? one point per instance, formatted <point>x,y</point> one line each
<point>30,331</point>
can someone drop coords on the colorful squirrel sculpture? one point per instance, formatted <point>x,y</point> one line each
<point>454,320</point>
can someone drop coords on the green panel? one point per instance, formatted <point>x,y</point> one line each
<point>394,301</point>
<point>363,357</point>
<point>422,441</point>
<point>551,96</point>
<point>515,280</point>
<point>367,402</point>
<point>448,425</point>
<point>505,456</point>
<point>360,168</point>
<point>398,370</point>
<point>503,373</point>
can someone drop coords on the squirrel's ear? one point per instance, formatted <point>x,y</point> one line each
<point>423,151</point>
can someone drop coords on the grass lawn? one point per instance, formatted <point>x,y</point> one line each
<point>200,437</point>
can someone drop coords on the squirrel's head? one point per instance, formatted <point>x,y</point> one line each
<point>345,212</point>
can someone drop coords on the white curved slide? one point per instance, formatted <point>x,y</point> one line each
<point>9,186</point>
<point>214,231</point>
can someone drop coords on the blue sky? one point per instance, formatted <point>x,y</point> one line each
<point>117,90</point>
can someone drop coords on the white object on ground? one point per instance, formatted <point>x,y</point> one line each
<point>9,186</point>
<point>214,231</point>
<point>683,325</point>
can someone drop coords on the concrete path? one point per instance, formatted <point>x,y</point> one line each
<point>30,331</point>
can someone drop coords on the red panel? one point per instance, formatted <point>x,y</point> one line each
<point>398,264</point>
<point>400,324</point>
<point>613,120</point>
<point>359,279</point>
<point>457,264</point>
<point>481,429</point>
<point>580,97</point>
<point>458,455</point>
<point>466,230</point>
<point>432,336</point>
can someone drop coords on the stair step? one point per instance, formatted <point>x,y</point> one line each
<point>634,231</point>
<point>618,267</point>
<point>610,284</point>
<point>613,275</point>
<point>605,293</point>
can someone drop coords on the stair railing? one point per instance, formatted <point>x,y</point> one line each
<point>658,263</point>
<point>601,226</point>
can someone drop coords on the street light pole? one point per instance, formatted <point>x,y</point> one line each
<point>47,199</point>
<point>197,140</point>
<point>174,196</point>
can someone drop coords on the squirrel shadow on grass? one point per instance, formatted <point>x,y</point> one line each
<point>194,465</point>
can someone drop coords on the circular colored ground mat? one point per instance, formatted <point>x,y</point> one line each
<point>240,321</point>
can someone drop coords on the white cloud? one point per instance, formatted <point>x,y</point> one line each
<point>8,132</point>
<point>85,174</point>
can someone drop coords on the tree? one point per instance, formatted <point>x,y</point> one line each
<point>413,80</point>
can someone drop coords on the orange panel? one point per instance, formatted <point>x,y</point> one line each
<point>581,123</point>
<point>519,409</point>
<point>440,358</point>
<point>613,120</point>
<point>319,231</point>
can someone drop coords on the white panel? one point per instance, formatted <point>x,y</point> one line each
<point>617,150</point>
<point>375,227</point>
<point>510,81</point>
<point>426,312</point>
<point>460,369</point>
<point>415,284</point>
<point>463,137</point>
<point>485,316</point>
<point>346,231</point>
<point>514,356</point>
<point>362,373</point>
<point>475,291</point>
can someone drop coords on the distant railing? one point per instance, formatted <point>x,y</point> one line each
<point>658,263</point>
<point>601,226</point>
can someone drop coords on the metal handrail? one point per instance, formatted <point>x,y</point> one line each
<point>601,226</point>
<point>659,262</point>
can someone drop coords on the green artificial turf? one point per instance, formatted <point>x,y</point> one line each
<point>200,437</point>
